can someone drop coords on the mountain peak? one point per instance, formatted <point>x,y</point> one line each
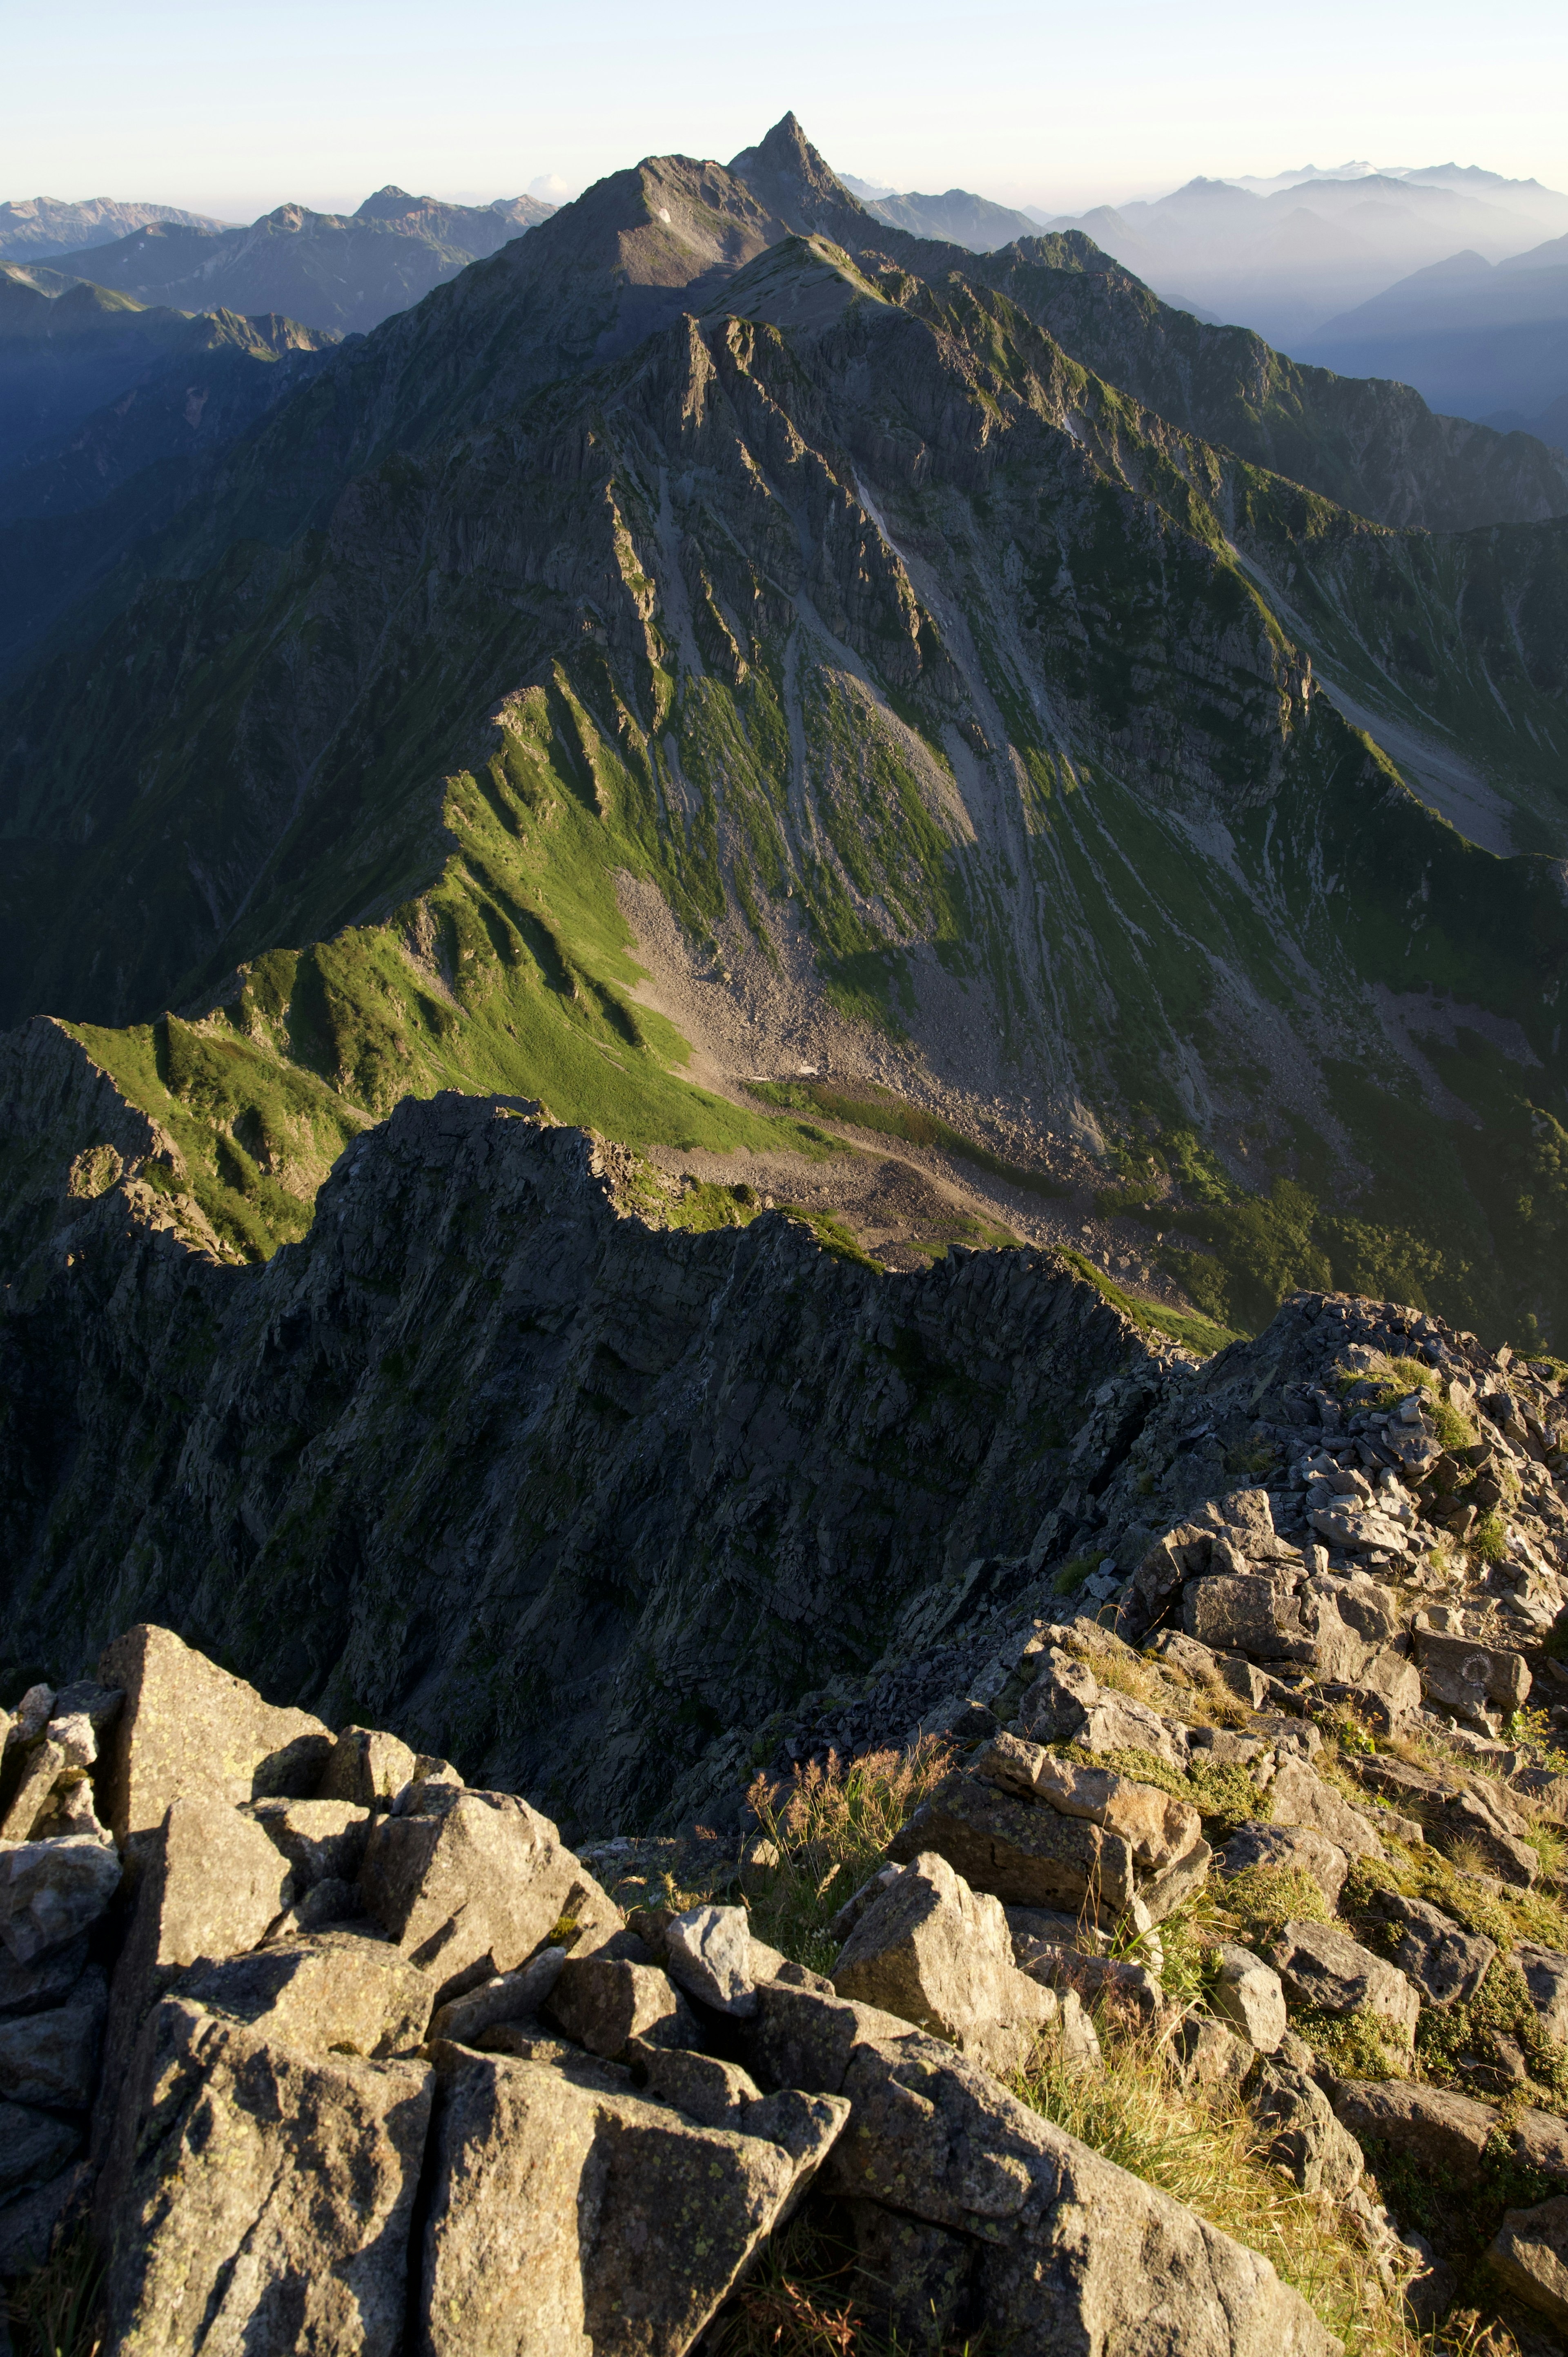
<point>388,204</point>
<point>786,173</point>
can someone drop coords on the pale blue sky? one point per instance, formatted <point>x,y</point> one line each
<point>229,110</point>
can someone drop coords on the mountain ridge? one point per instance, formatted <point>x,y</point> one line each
<point>860,643</point>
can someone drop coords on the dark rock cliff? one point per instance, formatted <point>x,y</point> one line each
<point>578,1501</point>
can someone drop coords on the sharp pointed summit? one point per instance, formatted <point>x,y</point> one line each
<point>786,173</point>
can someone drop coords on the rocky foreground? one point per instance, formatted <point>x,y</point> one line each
<point>329,2051</point>
<point>363,2059</point>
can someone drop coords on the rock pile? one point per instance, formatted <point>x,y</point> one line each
<point>337,2053</point>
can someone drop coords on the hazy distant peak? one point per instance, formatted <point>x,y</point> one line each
<point>34,227</point>
<point>387,203</point>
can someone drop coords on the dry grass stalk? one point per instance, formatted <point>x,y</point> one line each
<point>831,1826</point>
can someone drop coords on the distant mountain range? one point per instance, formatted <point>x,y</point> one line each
<point>958,217</point>
<point>109,413</point>
<point>1475,336</point>
<point>1288,262</point>
<point>348,271</point>
<point>1444,276</point>
<point>32,229</point>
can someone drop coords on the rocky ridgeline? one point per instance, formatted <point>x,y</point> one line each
<point>335,2052</point>
<point>1292,1507</point>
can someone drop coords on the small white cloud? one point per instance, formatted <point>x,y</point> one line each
<point>549,187</point>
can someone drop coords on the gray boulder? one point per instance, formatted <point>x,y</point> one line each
<point>211,1885</point>
<point>1442,2132</point>
<point>322,1840</point>
<point>52,1891</point>
<point>913,2281</point>
<point>1246,1994</point>
<point>1158,1828</point>
<point>714,2093</point>
<point>333,1993</point>
<point>43,1766</point>
<point>472,1891</point>
<point>28,1988</point>
<point>603,2003</point>
<point>1322,1965</point>
<point>1540,2139</point>
<point>1530,2253</point>
<point>1209,2055</point>
<point>939,1956</point>
<point>1300,1797</point>
<point>1279,1849</point>
<point>1017,1850</point>
<point>366,1767</point>
<point>708,1951</point>
<point>1478,1682</point>
<point>1066,1704</point>
<point>189,1731</point>
<point>34,2146</point>
<point>272,2207</point>
<point>1446,1964</point>
<point>30,2224</point>
<point>1480,1821</point>
<point>566,2217</point>
<point>507,1996</point>
<point>1073,2252</point>
<point>1545,1974</point>
<point>1305,2141</point>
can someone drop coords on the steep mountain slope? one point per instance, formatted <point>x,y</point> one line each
<point>949,700</point>
<point>489,1454</point>
<point>76,505</point>
<point>346,272</point>
<point>64,355</point>
<point>34,228</point>
<point>1373,447</point>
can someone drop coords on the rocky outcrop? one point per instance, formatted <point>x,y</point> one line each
<point>476,2112</point>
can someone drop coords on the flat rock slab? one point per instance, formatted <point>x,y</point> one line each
<point>330,1992</point>
<point>271,2208</point>
<point>1444,2132</point>
<point>1322,1965</point>
<point>1530,2255</point>
<point>188,1730</point>
<point>1446,1964</point>
<point>568,2217</point>
<point>1020,1851</point>
<point>1285,1848</point>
